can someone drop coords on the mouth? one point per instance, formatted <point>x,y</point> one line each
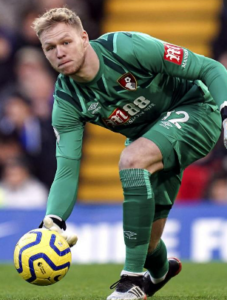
<point>64,63</point>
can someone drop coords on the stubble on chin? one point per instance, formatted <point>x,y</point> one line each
<point>70,71</point>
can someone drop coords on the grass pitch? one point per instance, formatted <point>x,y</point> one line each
<point>91,282</point>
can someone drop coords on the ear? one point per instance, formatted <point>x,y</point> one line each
<point>85,38</point>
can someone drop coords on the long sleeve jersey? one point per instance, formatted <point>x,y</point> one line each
<point>139,78</point>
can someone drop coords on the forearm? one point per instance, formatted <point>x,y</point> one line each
<point>63,192</point>
<point>214,75</point>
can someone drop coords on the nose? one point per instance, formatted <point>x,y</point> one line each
<point>60,53</point>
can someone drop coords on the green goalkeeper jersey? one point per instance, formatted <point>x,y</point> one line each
<point>139,78</point>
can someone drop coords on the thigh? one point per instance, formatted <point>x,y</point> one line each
<point>186,134</point>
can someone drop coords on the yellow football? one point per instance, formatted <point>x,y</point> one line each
<point>42,257</point>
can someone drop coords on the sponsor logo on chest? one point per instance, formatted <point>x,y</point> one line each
<point>118,117</point>
<point>129,112</point>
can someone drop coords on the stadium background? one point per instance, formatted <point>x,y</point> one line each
<point>196,229</point>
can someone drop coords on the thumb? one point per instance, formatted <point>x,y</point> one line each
<point>48,222</point>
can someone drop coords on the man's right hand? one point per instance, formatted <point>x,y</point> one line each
<point>57,224</point>
<point>225,132</point>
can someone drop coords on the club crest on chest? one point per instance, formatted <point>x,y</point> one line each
<point>128,82</point>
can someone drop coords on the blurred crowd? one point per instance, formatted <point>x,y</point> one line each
<point>27,141</point>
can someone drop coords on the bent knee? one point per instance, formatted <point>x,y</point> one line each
<point>127,160</point>
<point>140,160</point>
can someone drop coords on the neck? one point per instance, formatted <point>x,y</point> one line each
<point>89,68</point>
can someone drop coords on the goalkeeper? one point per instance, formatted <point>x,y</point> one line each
<point>165,99</point>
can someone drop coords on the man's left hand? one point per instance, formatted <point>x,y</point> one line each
<point>56,224</point>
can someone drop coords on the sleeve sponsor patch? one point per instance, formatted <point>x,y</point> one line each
<point>173,54</point>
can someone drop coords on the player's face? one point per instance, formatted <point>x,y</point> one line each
<point>64,46</point>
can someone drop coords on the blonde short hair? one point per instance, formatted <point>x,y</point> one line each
<point>54,16</point>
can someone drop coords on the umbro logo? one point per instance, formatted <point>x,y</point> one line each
<point>130,235</point>
<point>93,106</point>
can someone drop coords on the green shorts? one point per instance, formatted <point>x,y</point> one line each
<point>183,136</point>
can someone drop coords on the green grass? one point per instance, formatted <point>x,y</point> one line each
<point>91,282</point>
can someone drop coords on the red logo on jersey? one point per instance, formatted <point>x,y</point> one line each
<point>128,82</point>
<point>173,54</point>
<point>118,117</point>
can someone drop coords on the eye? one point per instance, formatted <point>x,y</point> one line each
<point>49,48</point>
<point>66,43</point>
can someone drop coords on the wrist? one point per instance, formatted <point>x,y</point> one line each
<point>55,219</point>
<point>54,216</point>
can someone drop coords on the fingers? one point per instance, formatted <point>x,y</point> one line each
<point>225,132</point>
<point>225,143</point>
<point>225,138</point>
<point>70,238</point>
<point>48,223</point>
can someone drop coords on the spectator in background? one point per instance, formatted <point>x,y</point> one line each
<point>219,44</point>
<point>18,189</point>
<point>9,148</point>
<point>34,135</point>
<point>13,37</point>
<point>34,81</point>
<point>25,36</point>
<point>6,56</point>
<point>19,119</point>
<point>217,189</point>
